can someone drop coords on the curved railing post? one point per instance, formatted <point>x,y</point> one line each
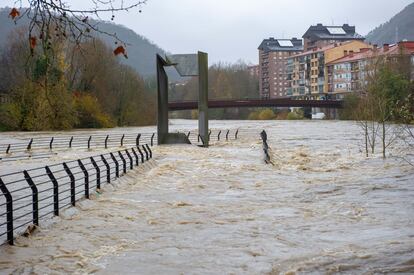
<point>152,139</point>
<point>200,137</point>
<point>142,155</point>
<point>218,136</point>
<point>116,164</point>
<point>70,142</point>
<point>86,174</point>
<point>108,169</point>
<point>89,142</point>
<point>51,143</point>
<point>106,141</point>
<point>29,146</point>
<point>137,140</point>
<point>131,162</point>
<point>72,184</point>
<point>146,152</point>
<point>236,134</point>
<point>122,140</point>
<point>123,162</point>
<point>149,150</point>
<point>136,156</point>
<point>227,134</point>
<point>55,190</point>
<point>98,173</point>
<point>8,149</point>
<point>9,211</point>
<point>35,199</point>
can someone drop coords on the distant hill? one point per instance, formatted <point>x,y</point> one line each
<point>141,52</point>
<point>402,23</point>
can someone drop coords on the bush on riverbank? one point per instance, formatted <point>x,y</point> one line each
<point>296,114</point>
<point>266,114</point>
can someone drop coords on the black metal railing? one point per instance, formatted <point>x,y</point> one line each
<point>31,195</point>
<point>52,143</point>
<point>214,135</point>
<point>45,147</point>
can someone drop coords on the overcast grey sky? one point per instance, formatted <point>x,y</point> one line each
<point>232,29</point>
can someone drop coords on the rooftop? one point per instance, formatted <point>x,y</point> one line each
<point>272,44</point>
<point>321,32</point>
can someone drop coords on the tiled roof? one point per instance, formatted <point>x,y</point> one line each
<point>272,44</point>
<point>394,49</point>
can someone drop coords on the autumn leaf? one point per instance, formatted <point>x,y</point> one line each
<point>120,50</point>
<point>33,42</point>
<point>14,13</point>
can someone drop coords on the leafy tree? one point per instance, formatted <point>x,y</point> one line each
<point>43,88</point>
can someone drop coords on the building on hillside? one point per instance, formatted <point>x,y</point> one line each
<point>307,71</point>
<point>273,54</point>
<point>349,73</point>
<point>253,70</point>
<point>319,36</point>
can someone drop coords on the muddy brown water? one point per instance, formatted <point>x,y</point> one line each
<point>321,208</point>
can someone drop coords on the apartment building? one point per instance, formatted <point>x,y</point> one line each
<point>319,36</point>
<point>308,75</point>
<point>349,73</point>
<point>273,55</point>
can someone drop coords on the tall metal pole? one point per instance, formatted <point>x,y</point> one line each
<point>162,87</point>
<point>203,97</point>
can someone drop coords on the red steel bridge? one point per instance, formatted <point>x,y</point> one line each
<point>280,102</point>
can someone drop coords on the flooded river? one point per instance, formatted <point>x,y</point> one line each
<point>321,208</point>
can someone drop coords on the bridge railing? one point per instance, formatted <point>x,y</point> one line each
<point>27,197</point>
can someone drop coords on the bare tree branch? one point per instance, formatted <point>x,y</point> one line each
<point>57,19</point>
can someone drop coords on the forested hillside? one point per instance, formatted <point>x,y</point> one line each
<point>141,52</point>
<point>400,27</point>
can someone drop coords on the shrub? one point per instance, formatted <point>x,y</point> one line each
<point>90,114</point>
<point>10,117</point>
<point>266,114</point>
<point>295,115</point>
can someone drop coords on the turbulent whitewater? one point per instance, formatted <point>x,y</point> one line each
<point>322,207</point>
